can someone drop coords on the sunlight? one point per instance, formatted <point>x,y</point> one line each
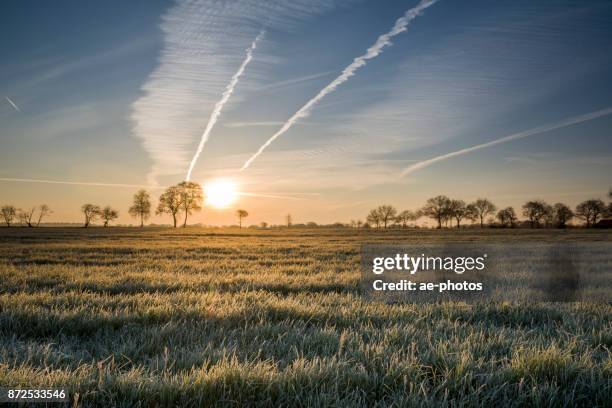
<point>220,193</point>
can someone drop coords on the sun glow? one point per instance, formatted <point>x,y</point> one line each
<point>220,193</point>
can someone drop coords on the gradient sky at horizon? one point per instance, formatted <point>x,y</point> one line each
<point>104,90</point>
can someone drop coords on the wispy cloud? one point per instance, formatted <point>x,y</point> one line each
<point>214,116</point>
<point>12,103</point>
<point>75,183</point>
<point>383,41</point>
<point>204,44</point>
<point>520,135</point>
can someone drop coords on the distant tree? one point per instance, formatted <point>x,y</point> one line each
<point>483,208</point>
<point>562,214</point>
<point>170,203</point>
<point>241,214</point>
<point>437,208</point>
<point>404,217</point>
<point>535,211</point>
<point>191,198</point>
<point>22,216</point>
<point>289,220</point>
<point>359,223</point>
<point>549,215</point>
<point>353,224</point>
<point>9,213</point>
<point>591,211</point>
<point>387,214</point>
<point>373,218</point>
<point>263,224</point>
<point>141,206</point>
<point>108,214</point>
<point>26,216</point>
<point>459,210</point>
<point>43,211</point>
<point>91,213</point>
<point>507,217</point>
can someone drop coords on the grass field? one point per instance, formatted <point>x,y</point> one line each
<point>196,317</point>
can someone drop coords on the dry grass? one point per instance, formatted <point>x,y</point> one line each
<point>195,317</point>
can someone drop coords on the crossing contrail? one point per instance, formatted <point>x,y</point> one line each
<point>214,116</point>
<point>520,135</point>
<point>383,41</point>
<point>12,103</point>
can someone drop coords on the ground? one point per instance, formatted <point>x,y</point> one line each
<point>203,317</point>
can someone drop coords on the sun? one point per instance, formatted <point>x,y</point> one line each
<point>220,193</point>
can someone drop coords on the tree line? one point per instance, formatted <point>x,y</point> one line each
<point>180,200</point>
<point>185,198</point>
<point>446,212</point>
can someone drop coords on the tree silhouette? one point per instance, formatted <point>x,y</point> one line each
<point>170,203</point>
<point>26,216</point>
<point>459,210</point>
<point>437,208</point>
<point>591,211</point>
<point>263,224</point>
<point>373,218</point>
<point>404,217</point>
<point>483,208</point>
<point>562,214</point>
<point>141,206</point>
<point>108,214</point>
<point>43,211</point>
<point>535,211</point>
<point>387,214</point>
<point>9,213</point>
<point>241,214</point>
<point>289,220</point>
<point>91,213</point>
<point>191,198</point>
<point>507,217</point>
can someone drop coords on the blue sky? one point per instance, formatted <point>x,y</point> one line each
<point>120,92</point>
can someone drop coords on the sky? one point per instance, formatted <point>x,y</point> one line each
<point>120,93</point>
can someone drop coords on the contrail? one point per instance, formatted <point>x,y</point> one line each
<point>520,135</point>
<point>383,41</point>
<point>287,196</point>
<point>77,183</point>
<point>219,105</point>
<point>12,104</point>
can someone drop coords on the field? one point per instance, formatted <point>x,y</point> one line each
<point>197,317</point>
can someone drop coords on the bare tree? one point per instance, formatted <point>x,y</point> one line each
<point>9,213</point>
<point>170,202</point>
<point>483,209</point>
<point>359,223</point>
<point>459,210</point>
<point>43,211</point>
<point>437,208</point>
<point>591,211</point>
<point>562,214</point>
<point>241,214</point>
<point>289,220</point>
<point>26,216</point>
<point>91,213</point>
<point>404,217</point>
<point>507,217</point>
<point>141,206</point>
<point>535,211</point>
<point>22,216</point>
<point>191,198</point>
<point>387,214</point>
<point>108,214</point>
<point>373,218</point>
